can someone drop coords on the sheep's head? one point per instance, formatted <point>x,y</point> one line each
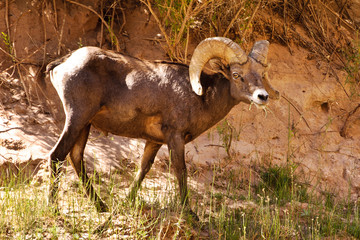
<point>247,74</point>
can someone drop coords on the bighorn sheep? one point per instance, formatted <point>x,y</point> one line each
<point>161,102</point>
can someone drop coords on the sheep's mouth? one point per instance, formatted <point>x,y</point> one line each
<point>263,107</point>
<point>259,105</point>
<point>257,102</point>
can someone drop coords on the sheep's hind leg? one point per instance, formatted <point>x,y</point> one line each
<point>77,161</point>
<point>147,160</point>
<point>58,154</point>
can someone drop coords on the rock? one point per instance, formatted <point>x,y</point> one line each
<point>19,109</point>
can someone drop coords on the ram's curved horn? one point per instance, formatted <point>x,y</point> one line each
<point>216,47</point>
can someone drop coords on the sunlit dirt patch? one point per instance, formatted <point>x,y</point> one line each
<point>12,144</point>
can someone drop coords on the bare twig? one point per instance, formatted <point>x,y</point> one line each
<point>251,19</point>
<point>7,18</point>
<point>102,26</point>
<point>162,29</point>
<point>341,12</point>
<point>298,111</point>
<point>113,15</point>
<point>184,23</point>
<point>62,31</point>
<point>14,57</point>
<point>233,21</point>
<point>27,94</point>
<point>214,145</point>
<point>17,128</point>
<point>302,10</point>
<point>6,53</point>
<point>338,16</point>
<point>188,10</point>
<point>55,14</point>
<point>286,38</point>
<point>347,121</point>
<point>22,60</point>
<point>338,80</point>
<point>123,18</point>
<point>168,12</point>
<point>7,159</point>
<point>45,36</point>
<point>187,43</point>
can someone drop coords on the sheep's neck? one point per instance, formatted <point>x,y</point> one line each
<point>217,99</point>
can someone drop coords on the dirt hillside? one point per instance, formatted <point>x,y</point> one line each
<point>314,125</point>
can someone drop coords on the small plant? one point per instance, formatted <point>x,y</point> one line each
<point>6,40</point>
<point>80,43</point>
<point>280,183</point>
<point>227,133</point>
<point>178,19</point>
<point>174,20</point>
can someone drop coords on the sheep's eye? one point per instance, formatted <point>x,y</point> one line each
<point>237,76</point>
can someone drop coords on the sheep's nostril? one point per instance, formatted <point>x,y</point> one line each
<point>260,96</point>
<point>263,97</point>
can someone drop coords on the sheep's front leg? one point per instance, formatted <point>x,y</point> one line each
<point>176,145</point>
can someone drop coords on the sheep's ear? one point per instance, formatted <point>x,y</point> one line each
<point>260,51</point>
<point>273,93</point>
<point>217,65</point>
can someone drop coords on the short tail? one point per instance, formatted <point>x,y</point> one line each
<point>53,64</point>
<point>56,62</point>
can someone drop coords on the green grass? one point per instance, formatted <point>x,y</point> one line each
<point>278,208</point>
<point>280,184</point>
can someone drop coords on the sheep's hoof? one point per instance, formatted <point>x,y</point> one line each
<point>53,204</point>
<point>192,215</point>
<point>103,227</point>
<point>101,207</point>
<point>55,209</point>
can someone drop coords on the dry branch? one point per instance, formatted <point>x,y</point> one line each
<point>184,23</point>
<point>297,110</point>
<point>251,19</point>
<point>233,21</point>
<point>7,18</point>
<point>162,29</point>
<point>338,16</point>
<point>18,62</point>
<point>343,131</point>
